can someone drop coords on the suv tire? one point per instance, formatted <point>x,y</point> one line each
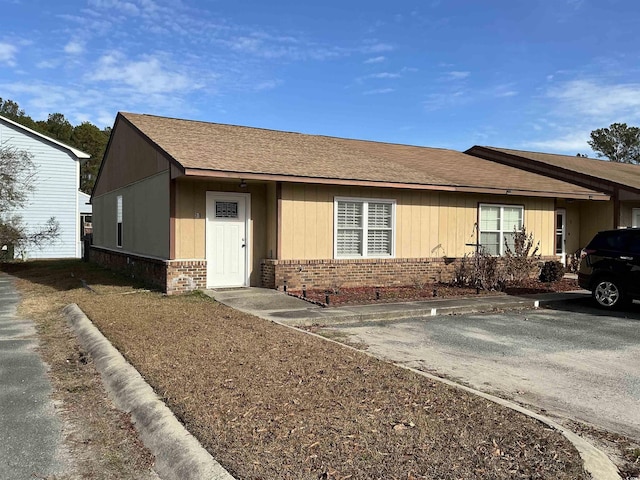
<point>607,294</point>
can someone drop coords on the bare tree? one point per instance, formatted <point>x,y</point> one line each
<point>17,181</point>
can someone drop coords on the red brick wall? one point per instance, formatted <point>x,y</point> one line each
<point>186,276</point>
<point>170,276</point>
<point>150,271</point>
<point>345,273</point>
<point>357,272</point>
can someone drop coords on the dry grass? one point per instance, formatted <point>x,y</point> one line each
<point>273,403</point>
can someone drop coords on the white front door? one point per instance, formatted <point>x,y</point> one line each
<point>227,239</point>
<point>561,234</point>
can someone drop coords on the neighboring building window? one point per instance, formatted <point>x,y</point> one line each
<point>364,228</point>
<point>635,214</point>
<point>497,224</point>
<point>119,220</point>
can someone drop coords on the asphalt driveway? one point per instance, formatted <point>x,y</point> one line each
<point>573,360</point>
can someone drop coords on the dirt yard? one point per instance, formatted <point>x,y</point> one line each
<point>271,402</point>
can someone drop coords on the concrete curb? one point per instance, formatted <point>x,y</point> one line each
<point>347,318</point>
<point>291,310</point>
<point>596,463</point>
<point>179,456</point>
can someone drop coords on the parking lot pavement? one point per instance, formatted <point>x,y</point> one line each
<point>573,360</point>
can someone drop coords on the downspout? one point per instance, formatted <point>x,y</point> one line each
<point>172,218</point>
<point>278,220</point>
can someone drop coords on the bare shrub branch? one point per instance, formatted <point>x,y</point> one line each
<point>17,181</point>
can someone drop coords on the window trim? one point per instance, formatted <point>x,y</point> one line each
<point>119,215</point>
<point>365,202</point>
<point>635,212</point>
<point>501,231</point>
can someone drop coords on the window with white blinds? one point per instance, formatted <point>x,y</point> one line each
<point>497,226</point>
<point>364,228</point>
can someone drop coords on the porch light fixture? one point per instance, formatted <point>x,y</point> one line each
<point>243,184</point>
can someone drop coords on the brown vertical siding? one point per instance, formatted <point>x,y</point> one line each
<point>172,219</point>
<point>428,224</point>
<point>190,236</point>
<point>626,209</point>
<point>129,158</point>
<point>594,216</point>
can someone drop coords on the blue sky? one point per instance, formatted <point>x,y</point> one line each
<point>535,74</point>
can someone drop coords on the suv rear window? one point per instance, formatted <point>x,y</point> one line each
<point>634,243</point>
<point>609,241</point>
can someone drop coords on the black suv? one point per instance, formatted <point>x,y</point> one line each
<point>610,267</point>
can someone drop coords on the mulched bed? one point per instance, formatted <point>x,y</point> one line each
<point>270,402</point>
<point>369,295</point>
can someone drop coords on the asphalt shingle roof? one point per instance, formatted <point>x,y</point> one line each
<point>621,173</point>
<point>197,145</point>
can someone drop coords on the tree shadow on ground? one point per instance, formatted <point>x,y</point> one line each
<point>68,274</point>
<point>586,305</point>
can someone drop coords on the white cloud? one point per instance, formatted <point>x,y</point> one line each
<point>147,76</point>
<point>375,59</point>
<point>44,64</point>
<point>601,101</point>
<point>74,47</point>
<point>437,101</point>
<point>457,75</point>
<point>267,85</point>
<point>118,6</point>
<point>383,75</point>
<point>376,47</point>
<point>503,91</point>
<point>571,143</point>
<point>7,53</point>
<point>378,91</point>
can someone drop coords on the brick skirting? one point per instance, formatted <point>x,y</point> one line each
<point>180,276</point>
<point>171,276</point>
<point>186,276</point>
<point>357,272</point>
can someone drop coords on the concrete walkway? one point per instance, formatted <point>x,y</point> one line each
<point>30,431</point>
<point>278,306</point>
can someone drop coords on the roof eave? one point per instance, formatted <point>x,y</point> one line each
<point>489,153</point>
<point>78,153</point>
<point>197,172</point>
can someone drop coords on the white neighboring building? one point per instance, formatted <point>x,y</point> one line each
<point>56,193</point>
<point>85,210</point>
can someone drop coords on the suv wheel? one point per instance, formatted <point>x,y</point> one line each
<point>607,294</point>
